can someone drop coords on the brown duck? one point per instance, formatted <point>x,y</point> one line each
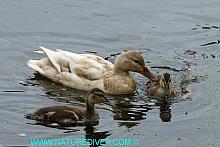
<point>64,115</point>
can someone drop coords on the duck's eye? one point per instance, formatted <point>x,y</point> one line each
<point>99,94</point>
<point>136,61</point>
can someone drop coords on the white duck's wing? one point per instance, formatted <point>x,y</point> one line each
<point>87,69</point>
<point>85,66</point>
<point>58,59</point>
<point>106,64</point>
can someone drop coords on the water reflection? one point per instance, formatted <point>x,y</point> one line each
<point>95,138</point>
<point>66,129</point>
<point>57,92</point>
<point>128,111</point>
<point>165,111</point>
<point>92,138</point>
<point>129,114</point>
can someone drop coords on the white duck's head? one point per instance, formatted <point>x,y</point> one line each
<point>133,61</point>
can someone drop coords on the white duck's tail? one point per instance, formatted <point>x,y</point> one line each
<point>39,52</point>
<point>34,65</point>
<point>57,58</point>
<point>54,57</point>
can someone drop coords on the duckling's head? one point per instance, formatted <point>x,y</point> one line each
<point>96,96</point>
<point>133,61</point>
<point>165,82</point>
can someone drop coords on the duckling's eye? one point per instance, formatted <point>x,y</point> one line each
<point>99,94</point>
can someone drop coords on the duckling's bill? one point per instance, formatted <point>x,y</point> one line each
<point>107,102</point>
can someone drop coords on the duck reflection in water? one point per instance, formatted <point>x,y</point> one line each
<point>95,138</point>
<point>165,111</point>
<point>129,111</point>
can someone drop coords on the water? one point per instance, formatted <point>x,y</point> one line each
<point>162,31</point>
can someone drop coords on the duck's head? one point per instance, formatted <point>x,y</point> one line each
<point>165,82</point>
<point>133,61</point>
<point>96,96</point>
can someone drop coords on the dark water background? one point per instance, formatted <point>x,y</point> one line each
<point>162,30</point>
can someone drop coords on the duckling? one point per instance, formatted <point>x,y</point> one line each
<point>86,71</point>
<point>161,88</point>
<point>65,115</point>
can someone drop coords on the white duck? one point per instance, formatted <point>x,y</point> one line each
<point>85,71</point>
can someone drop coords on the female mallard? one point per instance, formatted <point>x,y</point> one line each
<point>65,115</point>
<point>85,71</point>
<point>161,88</point>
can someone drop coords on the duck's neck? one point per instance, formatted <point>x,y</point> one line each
<point>90,107</point>
<point>119,68</point>
<point>119,71</point>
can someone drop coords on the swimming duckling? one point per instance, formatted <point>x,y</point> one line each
<point>161,88</point>
<point>66,115</point>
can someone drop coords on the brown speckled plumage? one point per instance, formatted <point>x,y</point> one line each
<point>157,88</point>
<point>64,115</point>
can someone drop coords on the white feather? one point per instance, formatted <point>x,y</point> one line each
<point>86,71</point>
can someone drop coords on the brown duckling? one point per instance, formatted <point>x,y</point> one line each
<point>161,88</point>
<point>66,115</point>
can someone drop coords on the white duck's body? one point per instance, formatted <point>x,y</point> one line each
<point>83,71</point>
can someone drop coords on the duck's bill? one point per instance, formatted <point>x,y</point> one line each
<point>146,72</point>
<point>28,116</point>
<point>109,103</point>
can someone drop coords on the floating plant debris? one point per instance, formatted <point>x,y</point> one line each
<point>211,43</point>
<point>205,56</point>
<point>206,27</point>
<point>190,52</point>
<point>13,91</point>
<point>215,27</point>
<point>213,56</point>
<point>92,52</point>
<point>112,55</point>
<point>167,67</point>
